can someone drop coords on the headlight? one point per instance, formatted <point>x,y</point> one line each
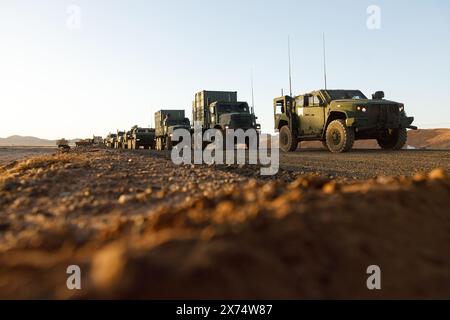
<point>227,127</point>
<point>258,126</point>
<point>363,109</point>
<point>401,107</point>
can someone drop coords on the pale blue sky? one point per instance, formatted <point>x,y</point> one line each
<point>131,58</point>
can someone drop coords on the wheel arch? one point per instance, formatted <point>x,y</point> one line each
<point>334,115</point>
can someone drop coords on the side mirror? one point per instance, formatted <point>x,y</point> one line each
<point>379,95</point>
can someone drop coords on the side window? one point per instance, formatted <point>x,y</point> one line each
<point>314,101</point>
<point>317,100</point>
<point>279,107</point>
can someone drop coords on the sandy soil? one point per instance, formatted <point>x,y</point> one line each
<point>141,227</point>
<point>9,154</point>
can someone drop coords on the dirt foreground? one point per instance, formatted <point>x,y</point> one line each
<point>141,227</point>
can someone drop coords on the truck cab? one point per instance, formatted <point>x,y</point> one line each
<point>231,115</point>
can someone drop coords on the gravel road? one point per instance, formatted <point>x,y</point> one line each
<point>363,164</point>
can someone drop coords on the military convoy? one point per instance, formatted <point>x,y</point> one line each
<point>338,118</point>
<point>335,117</point>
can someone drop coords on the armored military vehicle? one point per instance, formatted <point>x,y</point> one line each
<point>110,140</point>
<point>222,110</point>
<point>141,137</point>
<point>63,145</point>
<point>338,118</point>
<point>120,140</point>
<point>166,122</point>
<point>97,140</point>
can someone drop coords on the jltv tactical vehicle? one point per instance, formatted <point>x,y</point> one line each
<point>141,137</point>
<point>166,122</point>
<point>221,110</point>
<point>110,140</point>
<point>338,118</point>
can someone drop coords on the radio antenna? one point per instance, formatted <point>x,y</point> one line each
<point>324,61</point>
<point>290,71</point>
<point>253,94</point>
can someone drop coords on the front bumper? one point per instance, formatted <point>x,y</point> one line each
<point>367,124</point>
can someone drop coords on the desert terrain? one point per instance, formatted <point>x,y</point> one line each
<point>141,227</point>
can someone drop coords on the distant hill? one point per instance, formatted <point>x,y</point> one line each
<point>29,142</point>
<point>26,141</point>
<point>420,139</point>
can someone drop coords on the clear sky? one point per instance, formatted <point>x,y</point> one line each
<point>131,58</point>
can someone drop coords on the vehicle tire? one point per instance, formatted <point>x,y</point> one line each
<point>393,139</point>
<point>168,143</point>
<point>288,140</point>
<point>325,146</point>
<point>339,137</point>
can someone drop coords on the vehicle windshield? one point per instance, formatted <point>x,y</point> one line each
<point>346,94</point>
<point>143,130</point>
<point>232,108</point>
<point>177,122</point>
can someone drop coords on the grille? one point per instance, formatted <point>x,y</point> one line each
<point>384,113</point>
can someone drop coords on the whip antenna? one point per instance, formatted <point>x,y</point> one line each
<point>253,94</point>
<point>290,71</point>
<point>324,61</point>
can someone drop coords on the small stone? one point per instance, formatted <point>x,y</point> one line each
<point>437,174</point>
<point>329,187</point>
<point>125,198</point>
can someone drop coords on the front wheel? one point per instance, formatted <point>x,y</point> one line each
<point>168,143</point>
<point>392,139</point>
<point>288,140</point>
<point>339,137</point>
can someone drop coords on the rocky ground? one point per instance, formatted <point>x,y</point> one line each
<point>140,227</point>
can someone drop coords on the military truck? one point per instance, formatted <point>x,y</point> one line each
<point>338,118</point>
<point>166,122</point>
<point>119,140</point>
<point>221,110</point>
<point>97,140</point>
<point>126,139</point>
<point>110,140</point>
<point>84,143</point>
<point>141,137</point>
